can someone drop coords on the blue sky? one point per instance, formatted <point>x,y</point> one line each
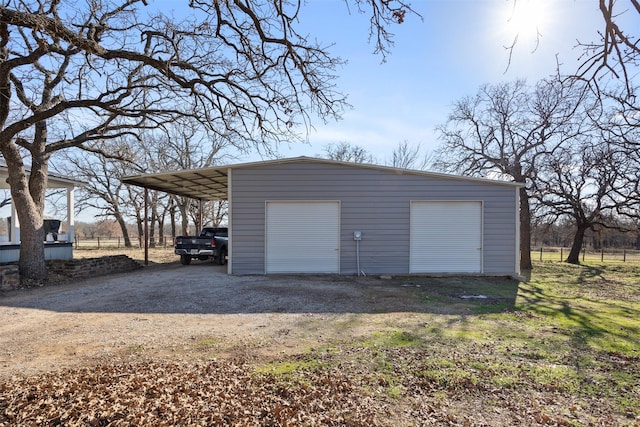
<point>456,48</point>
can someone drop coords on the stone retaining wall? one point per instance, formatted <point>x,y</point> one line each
<point>85,267</point>
<point>9,277</point>
<point>74,268</point>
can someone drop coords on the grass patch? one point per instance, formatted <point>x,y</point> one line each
<point>465,295</point>
<point>136,348</point>
<point>208,343</point>
<point>568,340</point>
<point>595,306</point>
<point>393,339</point>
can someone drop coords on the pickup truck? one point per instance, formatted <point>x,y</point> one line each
<point>211,243</point>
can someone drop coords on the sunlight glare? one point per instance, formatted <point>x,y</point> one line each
<point>527,19</point>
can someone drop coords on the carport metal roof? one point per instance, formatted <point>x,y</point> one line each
<point>212,183</point>
<point>202,184</point>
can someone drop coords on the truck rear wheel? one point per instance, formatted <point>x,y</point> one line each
<point>222,257</point>
<point>185,259</point>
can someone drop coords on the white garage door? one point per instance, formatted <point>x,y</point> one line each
<point>303,237</point>
<point>446,237</point>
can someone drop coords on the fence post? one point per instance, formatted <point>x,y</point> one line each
<point>561,254</point>
<point>98,242</point>
<point>584,251</point>
<point>77,242</point>
<point>624,255</point>
<point>602,254</point>
<point>540,253</point>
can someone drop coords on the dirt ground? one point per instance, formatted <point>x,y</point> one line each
<point>190,312</point>
<point>189,345</point>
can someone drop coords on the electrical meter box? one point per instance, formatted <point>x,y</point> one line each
<point>357,235</point>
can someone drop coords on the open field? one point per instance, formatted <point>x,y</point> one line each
<point>546,253</point>
<point>587,256</point>
<point>111,243</point>
<point>156,255</point>
<point>562,349</point>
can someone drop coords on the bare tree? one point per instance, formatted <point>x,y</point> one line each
<point>103,191</point>
<point>506,129</point>
<point>617,51</point>
<point>621,129</point>
<point>218,212</point>
<point>76,72</point>
<point>89,230</point>
<point>579,183</point>
<point>184,145</point>
<point>156,217</point>
<point>622,125</point>
<point>213,213</point>
<point>178,145</point>
<point>345,152</point>
<point>135,199</point>
<point>405,156</point>
<point>107,228</point>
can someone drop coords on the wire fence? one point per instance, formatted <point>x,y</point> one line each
<point>100,242</point>
<point>541,253</point>
<point>602,255</point>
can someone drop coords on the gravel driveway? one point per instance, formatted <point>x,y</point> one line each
<point>175,311</point>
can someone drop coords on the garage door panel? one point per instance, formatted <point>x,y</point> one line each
<point>446,237</point>
<point>303,237</point>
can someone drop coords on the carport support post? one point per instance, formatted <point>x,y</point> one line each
<point>200,215</point>
<point>146,226</point>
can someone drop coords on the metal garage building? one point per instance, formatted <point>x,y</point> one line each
<point>306,215</point>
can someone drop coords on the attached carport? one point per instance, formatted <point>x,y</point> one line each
<point>307,215</point>
<point>200,184</point>
<point>203,184</point>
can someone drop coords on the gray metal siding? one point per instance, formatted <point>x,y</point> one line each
<point>376,202</point>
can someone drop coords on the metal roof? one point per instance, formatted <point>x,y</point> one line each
<point>205,184</point>
<point>212,183</point>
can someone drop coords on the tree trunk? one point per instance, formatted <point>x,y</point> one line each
<point>32,263</point>
<point>576,246</point>
<point>29,210</point>
<point>525,231</point>
<point>161,230</point>
<point>185,219</point>
<point>140,225</point>
<point>152,231</point>
<point>123,228</point>
<point>159,219</point>
<point>172,218</point>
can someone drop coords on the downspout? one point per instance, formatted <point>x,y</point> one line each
<point>358,256</point>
